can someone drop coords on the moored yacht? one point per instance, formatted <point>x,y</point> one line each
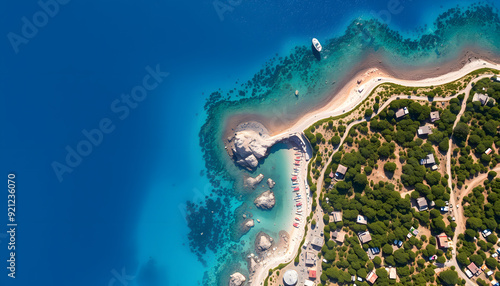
<point>317,45</point>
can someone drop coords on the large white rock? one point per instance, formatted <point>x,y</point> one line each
<point>250,146</point>
<point>252,182</point>
<point>265,201</point>
<point>237,279</point>
<point>270,183</point>
<point>250,223</point>
<point>264,243</point>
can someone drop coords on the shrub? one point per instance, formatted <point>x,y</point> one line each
<point>390,167</point>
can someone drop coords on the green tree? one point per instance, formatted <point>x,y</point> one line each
<point>474,223</point>
<point>387,249</point>
<point>336,140</point>
<point>477,259</point>
<point>461,131</point>
<point>449,277</point>
<point>491,263</point>
<point>390,167</point>
<point>401,257</point>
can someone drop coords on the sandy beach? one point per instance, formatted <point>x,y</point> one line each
<point>295,234</point>
<point>370,67</point>
<point>345,100</point>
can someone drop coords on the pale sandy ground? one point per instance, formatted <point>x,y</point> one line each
<point>348,98</point>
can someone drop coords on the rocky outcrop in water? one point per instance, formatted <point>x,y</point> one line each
<point>265,201</point>
<point>263,242</point>
<point>247,225</point>
<point>237,279</point>
<point>270,183</point>
<point>249,146</point>
<point>253,182</point>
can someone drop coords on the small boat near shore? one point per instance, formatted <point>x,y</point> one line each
<point>296,225</point>
<point>317,45</point>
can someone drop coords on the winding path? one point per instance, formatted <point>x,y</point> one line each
<point>352,103</point>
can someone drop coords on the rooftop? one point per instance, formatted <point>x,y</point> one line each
<point>401,112</point>
<point>424,130</point>
<point>310,258</point>
<point>393,274</point>
<point>291,277</point>
<point>340,237</point>
<point>341,169</point>
<point>317,241</point>
<point>483,98</point>
<point>337,216</point>
<point>422,204</point>
<point>372,277</point>
<point>365,237</point>
<point>434,116</point>
<point>428,160</point>
<point>362,219</point>
<point>473,268</point>
<point>312,273</point>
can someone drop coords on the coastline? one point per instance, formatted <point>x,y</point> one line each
<point>348,102</point>
<point>342,89</point>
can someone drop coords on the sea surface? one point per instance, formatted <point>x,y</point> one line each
<point>155,200</point>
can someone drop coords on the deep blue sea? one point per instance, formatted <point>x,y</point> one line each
<point>117,215</point>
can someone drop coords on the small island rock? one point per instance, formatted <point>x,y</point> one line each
<point>270,183</point>
<point>265,201</point>
<point>237,279</point>
<point>253,182</point>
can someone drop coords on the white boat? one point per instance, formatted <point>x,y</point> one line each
<point>317,45</point>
